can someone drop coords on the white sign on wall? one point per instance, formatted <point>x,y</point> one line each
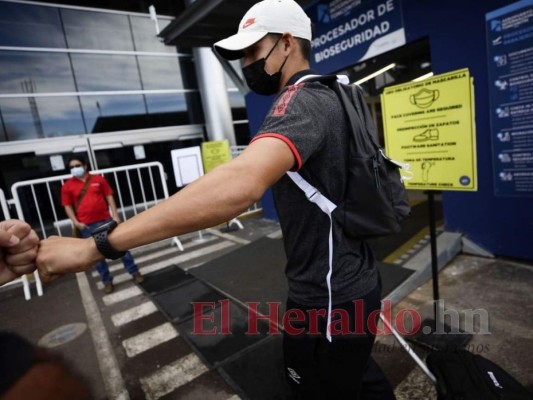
<point>187,165</point>
<point>57,163</point>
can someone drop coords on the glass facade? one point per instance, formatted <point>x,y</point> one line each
<point>66,71</point>
<point>97,30</point>
<point>28,25</point>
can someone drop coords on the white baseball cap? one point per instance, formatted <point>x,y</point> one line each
<point>267,16</point>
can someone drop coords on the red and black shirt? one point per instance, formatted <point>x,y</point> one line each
<point>309,118</point>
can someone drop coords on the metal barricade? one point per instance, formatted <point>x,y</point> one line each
<point>137,187</point>
<point>24,279</point>
<point>4,205</point>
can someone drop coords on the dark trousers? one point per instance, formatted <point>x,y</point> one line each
<point>342,369</point>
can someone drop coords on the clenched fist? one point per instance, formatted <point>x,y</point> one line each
<point>18,249</point>
<point>61,255</point>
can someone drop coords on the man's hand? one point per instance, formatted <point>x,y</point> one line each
<point>80,225</point>
<point>61,255</point>
<point>18,249</point>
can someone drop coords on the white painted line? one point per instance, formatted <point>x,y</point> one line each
<point>275,235</point>
<point>122,295</point>
<point>117,265</point>
<point>109,368</point>
<point>174,260</point>
<point>172,376</point>
<point>227,236</point>
<point>134,313</point>
<point>193,266</point>
<point>145,341</point>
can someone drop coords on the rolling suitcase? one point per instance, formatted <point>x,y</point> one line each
<point>461,375</point>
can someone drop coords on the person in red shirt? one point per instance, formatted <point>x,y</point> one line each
<point>87,200</point>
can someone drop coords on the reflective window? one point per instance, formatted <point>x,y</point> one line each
<point>27,25</point>
<point>160,72</point>
<point>175,109</point>
<point>237,67</point>
<point>33,118</point>
<point>61,116</point>
<point>49,72</point>
<point>188,72</point>
<point>18,120</point>
<point>95,72</point>
<point>161,103</point>
<point>144,35</point>
<point>3,137</point>
<point>112,113</point>
<point>28,72</point>
<point>236,99</point>
<point>97,30</point>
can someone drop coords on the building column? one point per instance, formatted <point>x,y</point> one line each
<point>214,93</point>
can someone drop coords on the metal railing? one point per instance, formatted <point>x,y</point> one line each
<point>137,187</point>
<point>24,279</point>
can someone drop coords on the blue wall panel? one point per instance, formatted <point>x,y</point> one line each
<point>456,31</point>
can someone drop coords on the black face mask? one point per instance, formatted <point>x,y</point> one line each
<point>259,80</point>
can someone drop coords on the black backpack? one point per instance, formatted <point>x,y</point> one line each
<point>375,202</point>
<point>462,375</point>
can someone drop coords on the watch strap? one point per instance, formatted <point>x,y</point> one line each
<point>104,247</point>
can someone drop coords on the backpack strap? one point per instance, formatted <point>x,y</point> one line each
<point>314,196</point>
<point>82,194</point>
<point>326,79</point>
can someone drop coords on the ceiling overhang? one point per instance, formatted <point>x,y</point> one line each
<point>205,22</point>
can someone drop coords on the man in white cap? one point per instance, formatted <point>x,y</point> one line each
<point>274,41</point>
<point>304,131</point>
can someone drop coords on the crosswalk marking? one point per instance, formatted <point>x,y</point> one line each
<point>107,361</point>
<point>167,378</point>
<point>148,339</point>
<point>133,313</point>
<point>172,376</point>
<point>121,295</point>
<point>174,260</point>
<point>228,236</point>
<point>117,265</point>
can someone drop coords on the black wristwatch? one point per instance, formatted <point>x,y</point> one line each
<point>102,243</point>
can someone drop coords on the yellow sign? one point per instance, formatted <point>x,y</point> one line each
<point>215,153</point>
<point>430,125</point>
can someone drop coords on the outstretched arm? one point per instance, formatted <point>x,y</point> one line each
<point>218,196</point>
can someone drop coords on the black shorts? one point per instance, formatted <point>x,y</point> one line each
<point>318,369</point>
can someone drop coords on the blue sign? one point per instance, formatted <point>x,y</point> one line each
<point>347,32</point>
<point>510,70</point>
